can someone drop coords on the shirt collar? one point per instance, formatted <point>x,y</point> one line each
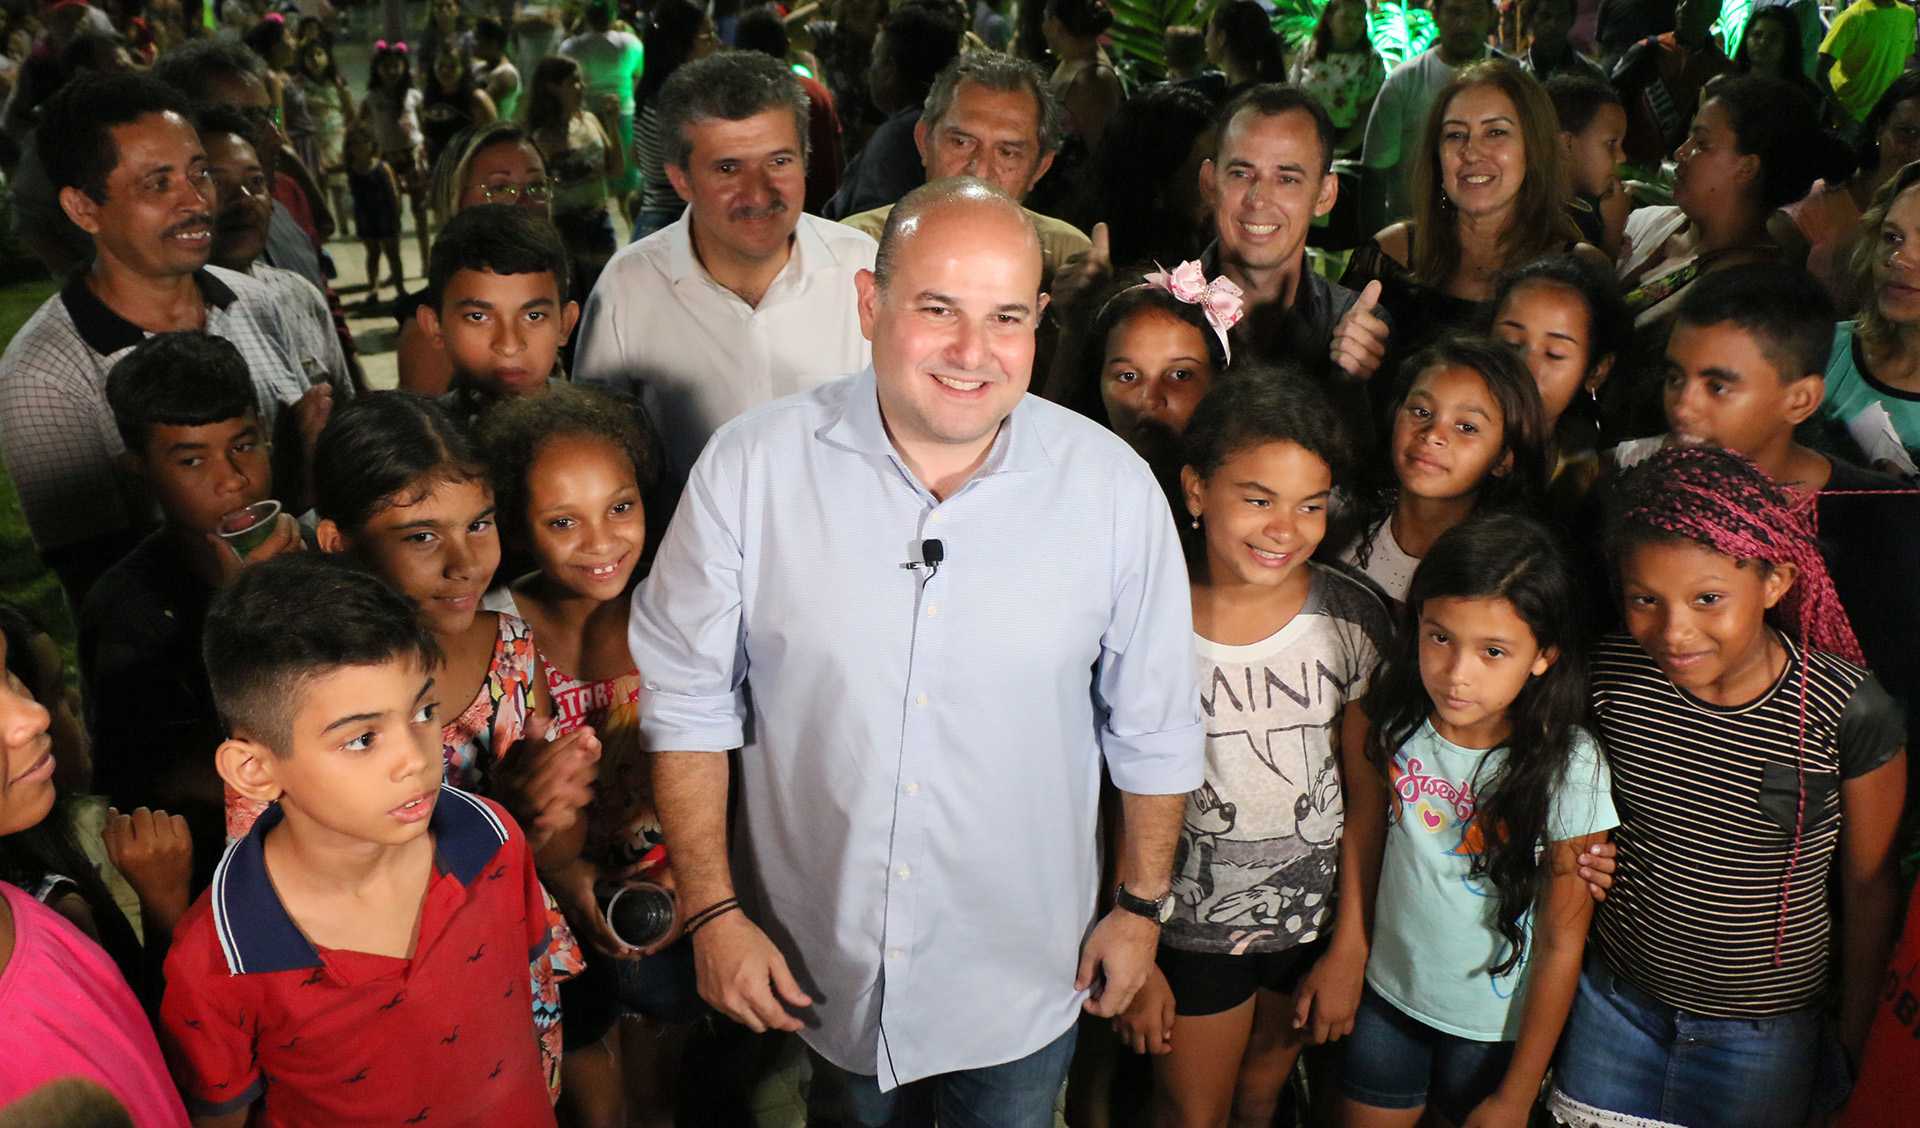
<point>105,331</point>
<point>810,253</point>
<point>858,426</point>
<point>256,934</point>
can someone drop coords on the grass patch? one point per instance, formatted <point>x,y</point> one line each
<point>23,579</point>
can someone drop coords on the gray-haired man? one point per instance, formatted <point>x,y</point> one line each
<point>991,115</point>
<point>743,299</point>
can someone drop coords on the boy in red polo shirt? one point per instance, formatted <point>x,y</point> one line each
<point>361,957</point>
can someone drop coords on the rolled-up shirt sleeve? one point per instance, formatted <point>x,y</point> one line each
<point>685,628</point>
<point>1150,734</point>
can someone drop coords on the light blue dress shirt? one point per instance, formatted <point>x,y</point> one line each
<point>920,762</point>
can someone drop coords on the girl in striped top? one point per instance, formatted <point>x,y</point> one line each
<point>1752,756</point>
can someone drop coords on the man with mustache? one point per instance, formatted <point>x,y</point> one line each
<point>743,299</point>
<point>242,218</point>
<point>130,172</point>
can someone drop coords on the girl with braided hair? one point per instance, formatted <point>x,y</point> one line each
<point>1751,757</point>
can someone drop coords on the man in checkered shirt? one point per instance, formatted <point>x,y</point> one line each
<point>131,173</point>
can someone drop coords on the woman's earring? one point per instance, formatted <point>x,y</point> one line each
<point>1196,520</point>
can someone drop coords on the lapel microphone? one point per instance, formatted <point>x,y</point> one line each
<point>932,553</point>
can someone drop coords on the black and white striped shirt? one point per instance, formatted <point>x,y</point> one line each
<point>1708,797</point>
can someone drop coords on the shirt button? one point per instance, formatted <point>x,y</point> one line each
<point>894,954</point>
<point>913,789</point>
<point>938,516</point>
<point>920,700</point>
<point>905,873</point>
<point>932,610</point>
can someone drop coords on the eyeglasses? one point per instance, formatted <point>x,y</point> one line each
<point>538,192</point>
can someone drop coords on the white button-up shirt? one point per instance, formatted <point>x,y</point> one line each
<point>658,326</point>
<point>919,791</point>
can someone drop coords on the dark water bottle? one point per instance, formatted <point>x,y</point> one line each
<point>640,913</point>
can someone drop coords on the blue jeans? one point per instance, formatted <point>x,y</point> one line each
<point>1628,1053</point>
<point>1017,1094</point>
<point>1394,1060</point>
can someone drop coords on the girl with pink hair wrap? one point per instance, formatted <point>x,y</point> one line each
<point>1757,768</point>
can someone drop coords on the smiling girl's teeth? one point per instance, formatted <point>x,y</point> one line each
<point>1265,555</point>
<point>1261,228</point>
<point>603,573</point>
<point>961,385</point>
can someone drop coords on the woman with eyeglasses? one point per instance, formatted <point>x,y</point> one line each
<point>495,163</point>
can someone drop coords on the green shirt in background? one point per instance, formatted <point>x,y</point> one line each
<point>1869,45</point>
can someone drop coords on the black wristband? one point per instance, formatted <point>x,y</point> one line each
<point>718,909</point>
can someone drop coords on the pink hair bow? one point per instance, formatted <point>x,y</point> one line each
<point>383,45</point>
<point>1218,299</point>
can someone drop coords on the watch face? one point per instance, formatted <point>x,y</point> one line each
<point>1166,908</point>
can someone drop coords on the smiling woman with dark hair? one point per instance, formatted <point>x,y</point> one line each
<point>1489,187</point>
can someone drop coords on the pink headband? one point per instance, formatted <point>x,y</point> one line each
<point>1219,299</point>
<point>383,45</point>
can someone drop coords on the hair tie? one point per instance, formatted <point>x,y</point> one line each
<point>1219,299</point>
<point>274,17</point>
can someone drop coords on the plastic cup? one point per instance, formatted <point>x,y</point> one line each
<point>640,913</point>
<point>247,529</point>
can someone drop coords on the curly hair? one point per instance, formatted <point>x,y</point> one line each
<point>516,432</point>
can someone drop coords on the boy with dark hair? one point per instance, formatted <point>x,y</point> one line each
<point>1593,124</point>
<point>1744,369</point>
<point>496,304</point>
<point>185,407</point>
<point>362,955</point>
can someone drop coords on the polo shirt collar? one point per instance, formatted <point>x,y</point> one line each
<point>858,427</point>
<point>256,934</point>
<point>105,331</point>
<point>810,253</point>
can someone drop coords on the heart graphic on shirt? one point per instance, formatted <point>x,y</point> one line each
<point>1432,818</point>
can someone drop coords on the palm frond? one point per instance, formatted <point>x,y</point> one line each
<point>1399,33</point>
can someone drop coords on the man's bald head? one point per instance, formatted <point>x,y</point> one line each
<point>980,201</point>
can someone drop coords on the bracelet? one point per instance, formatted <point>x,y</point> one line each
<point>712,912</point>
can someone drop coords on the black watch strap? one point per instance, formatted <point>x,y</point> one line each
<point>1156,911</point>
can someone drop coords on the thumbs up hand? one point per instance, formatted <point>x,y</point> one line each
<point>1360,340</point>
<point>1083,272</point>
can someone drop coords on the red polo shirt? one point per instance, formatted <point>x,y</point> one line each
<point>332,1037</point>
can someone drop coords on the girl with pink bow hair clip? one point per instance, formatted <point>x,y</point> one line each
<point>1153,352</point>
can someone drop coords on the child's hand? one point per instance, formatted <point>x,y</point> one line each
<point>1146,1026</point>
<point>1501,1111</point>
<point>285,538</point>
<point>609,106</point>
<point>1329,996</point>
<point>572,889</point>
<point>153,851</point>
<point>1082,274</point>
<point>544,783</point>
<point>310,414</point>
<point>1596,868</point>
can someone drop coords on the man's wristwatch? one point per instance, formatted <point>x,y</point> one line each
<point>1157,911</point>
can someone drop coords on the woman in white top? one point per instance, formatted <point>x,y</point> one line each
<point>1756,145</point>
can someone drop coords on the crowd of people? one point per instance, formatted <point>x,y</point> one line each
<point>1301,591</point>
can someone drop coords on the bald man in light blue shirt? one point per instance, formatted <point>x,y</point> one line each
<point>926,607</point>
